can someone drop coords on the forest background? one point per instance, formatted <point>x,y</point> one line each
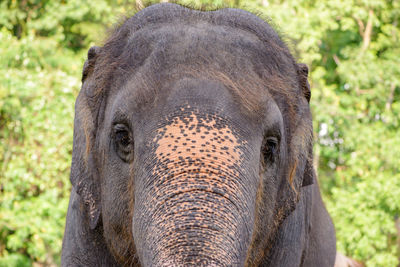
<point>351,46</point>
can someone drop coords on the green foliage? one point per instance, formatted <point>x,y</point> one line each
<point>73,24</point>
<point>352,48</point>
<point>38,85</point>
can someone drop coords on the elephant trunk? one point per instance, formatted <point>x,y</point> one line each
<point>197,207</point>
<point>199,219</point>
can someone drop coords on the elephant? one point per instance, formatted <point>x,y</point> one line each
<point>192,146</point>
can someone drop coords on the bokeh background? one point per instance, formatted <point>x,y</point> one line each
<point>351,46</point>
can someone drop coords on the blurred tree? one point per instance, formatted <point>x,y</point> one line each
<point>73,24</point>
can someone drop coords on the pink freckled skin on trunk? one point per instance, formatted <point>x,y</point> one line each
<point>218,143</point>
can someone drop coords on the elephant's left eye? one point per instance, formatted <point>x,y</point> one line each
<point>270,148</point>
<point>123,142</point>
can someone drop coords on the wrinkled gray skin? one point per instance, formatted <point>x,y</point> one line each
<point>193,147</point>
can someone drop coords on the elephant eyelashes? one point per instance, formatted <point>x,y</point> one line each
<point>123,142</point>
<point>270,148</point>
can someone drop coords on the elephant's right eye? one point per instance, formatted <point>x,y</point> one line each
<point>122,138</point>
<point>123,142</point>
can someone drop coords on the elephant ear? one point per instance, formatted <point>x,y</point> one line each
<point>302,74</point>
<point>83,169</point>
<point>309,172</point>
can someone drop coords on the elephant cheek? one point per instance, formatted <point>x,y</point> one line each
<point>198,207</point>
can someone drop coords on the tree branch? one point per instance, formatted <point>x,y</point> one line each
<point>360,26</point>
<point>336,59</point>
<point>368,31</point>
<point>139,4</point>
<point>391,96</point>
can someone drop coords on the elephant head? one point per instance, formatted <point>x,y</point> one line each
<point>192,141</point>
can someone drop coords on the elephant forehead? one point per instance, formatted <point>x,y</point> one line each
<point>197,137</point>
